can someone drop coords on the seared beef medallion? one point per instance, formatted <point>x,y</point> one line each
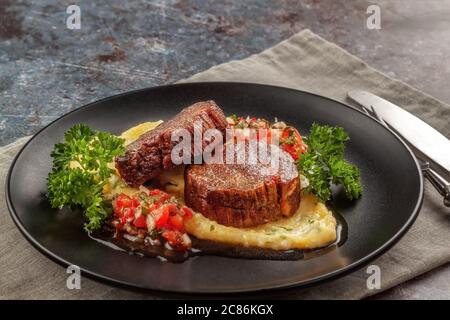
<point>244,195</point>
<point>150,154</point>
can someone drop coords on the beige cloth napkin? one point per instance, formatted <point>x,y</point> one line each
<point>306,62</point>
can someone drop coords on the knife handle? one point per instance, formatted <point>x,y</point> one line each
<point>440,184</point>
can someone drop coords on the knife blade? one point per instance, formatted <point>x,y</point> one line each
<point>417,132</point>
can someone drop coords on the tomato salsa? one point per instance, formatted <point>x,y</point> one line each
<point>153,214</point>
<point>289,138</point>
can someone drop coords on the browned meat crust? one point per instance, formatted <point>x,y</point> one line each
<point>243,195</point>
<point>150,154</point>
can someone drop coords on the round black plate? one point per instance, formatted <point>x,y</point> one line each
<point>390,203</point>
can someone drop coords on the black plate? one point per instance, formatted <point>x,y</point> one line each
<point>391,177</point>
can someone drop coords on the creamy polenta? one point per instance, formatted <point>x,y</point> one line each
<point>312,226</point>
<point>135,132</point>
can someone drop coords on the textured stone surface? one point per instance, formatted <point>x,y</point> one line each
<point>47,70</point>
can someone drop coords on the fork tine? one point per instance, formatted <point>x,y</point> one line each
<point>364,109</point>
<point>377,116</point>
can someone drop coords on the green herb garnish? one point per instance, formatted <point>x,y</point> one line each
<point>323,163</point>
<point>80,171</point>
<point>234,117</point>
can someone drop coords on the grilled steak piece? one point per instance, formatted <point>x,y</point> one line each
<point>244,195</point>
<point>150,154</point>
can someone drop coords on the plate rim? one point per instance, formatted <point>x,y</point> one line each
<point>306,283</point>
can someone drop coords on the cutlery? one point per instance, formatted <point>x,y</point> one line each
<point>373,105</point>
<point>418,133</point>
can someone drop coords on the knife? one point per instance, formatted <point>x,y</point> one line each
<point>374,106</point>
<point>418,133</point>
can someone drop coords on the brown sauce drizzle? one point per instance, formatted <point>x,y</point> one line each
<point>107,235</point>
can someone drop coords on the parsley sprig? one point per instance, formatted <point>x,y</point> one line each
<point>80,171</point>
<point>323,164</point>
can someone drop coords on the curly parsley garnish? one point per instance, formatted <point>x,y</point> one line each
<point>323,163</point>
<point>80,171</point>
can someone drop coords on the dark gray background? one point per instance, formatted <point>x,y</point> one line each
<point>47,70</point>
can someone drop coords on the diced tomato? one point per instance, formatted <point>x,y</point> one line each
<point>163,198</point>
<point>187,212</point>
<point>170,218</point>
<point>117,211</point>
<point>123,200</point>
<point>171,236</point>
<point>176,221</point>
<point>134,203</point>
<point>127,215</point>
<point>175,239</point>
<point>162,219</point>
<point>292,150</point>
<point>155,192</point>
<point>292,142</point>
<point>141,221</point>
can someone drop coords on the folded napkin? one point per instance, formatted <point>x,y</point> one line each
<point>306,62</point>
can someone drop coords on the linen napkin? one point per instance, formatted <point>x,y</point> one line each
<point>306,62</point>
